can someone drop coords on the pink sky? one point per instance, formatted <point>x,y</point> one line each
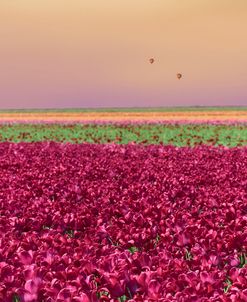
<point>94,53</point>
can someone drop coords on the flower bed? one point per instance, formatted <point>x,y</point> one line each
<point>168,134</point>
<point>232,121</point>
<point>122,223</point>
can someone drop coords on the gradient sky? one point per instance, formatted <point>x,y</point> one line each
<point>94,53</point>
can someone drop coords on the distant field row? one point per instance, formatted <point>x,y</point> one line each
<point>133,109</point>
<point>173,134</point>
<point>154,116</point>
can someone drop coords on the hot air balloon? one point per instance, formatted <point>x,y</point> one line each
<point>151,60</point>
<point>179,76</point>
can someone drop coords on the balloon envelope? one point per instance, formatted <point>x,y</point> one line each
<point>151,60</point>
<point>179,76</point>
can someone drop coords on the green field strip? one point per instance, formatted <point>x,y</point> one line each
<point>177,135</point>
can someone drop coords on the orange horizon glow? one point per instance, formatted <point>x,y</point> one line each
<point>95,53</point>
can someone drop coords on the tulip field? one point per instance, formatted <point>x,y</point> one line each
<point>176,134</point>
<point>93,212</point>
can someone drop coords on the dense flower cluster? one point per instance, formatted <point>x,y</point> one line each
<point>88,223</point>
